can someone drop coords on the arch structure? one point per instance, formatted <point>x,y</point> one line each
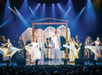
<point>51,21</point>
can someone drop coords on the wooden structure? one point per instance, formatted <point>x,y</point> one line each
<point>64,22</point>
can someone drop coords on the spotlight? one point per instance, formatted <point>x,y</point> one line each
<point>39,3</point>
<point>57,3</point>
<point>53,4</point>
<point>44,4</point>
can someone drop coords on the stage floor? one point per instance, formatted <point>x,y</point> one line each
<point>53,62</point>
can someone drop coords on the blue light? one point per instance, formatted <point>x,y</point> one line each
<point>24,8</point>
<point>43,11</point>
<point>35,9</point>
<point>7,12</point>
<point>21,17</point>
<point>78,16</point>
<point>60,8</point>
<point>39,3</point>
<point>89,12</point>
<point>53,4</point>
<point>53,11</point>
<point>67,12</point>
<point>7,21</point>
<point>33,13</point>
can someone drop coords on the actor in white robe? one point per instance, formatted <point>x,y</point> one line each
<point>34,51</point>
<point>56,41</point>
<point>73,53</point>
<point>97,49</point>
<point>8,51</point>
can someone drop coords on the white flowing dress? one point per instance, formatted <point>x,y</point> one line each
<point>97,50</point>
<point>34,51</point>
<point>73,53</point>
<point>8,51</point>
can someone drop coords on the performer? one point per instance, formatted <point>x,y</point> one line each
<point>56,40</point>
<point>79,43</point>
<point>51,50</point>
<point>87,52</point>
<point>3,40</point>
<point>96,49</point>
<point>21,46</point>
<point>33,49</point>
<point>9,51</point>
<point>46,45</point>
<point>73,53</point>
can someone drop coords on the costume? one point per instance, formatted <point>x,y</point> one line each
<point>34,51</point>
<point>73,53</point>
<point>51,51</point>
<point>97,50</point>
<point>78,42</point>
<point>8,51</point>
<point>46,49</point>
<point>21,46</point>
<point>88,50</point>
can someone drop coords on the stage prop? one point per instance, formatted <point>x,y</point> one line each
<point>41,35</point>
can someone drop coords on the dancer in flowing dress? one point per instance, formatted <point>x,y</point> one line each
<point>73,53</point>
<point>9,50</point>
<point>33,49</point>
<point>97,49</point>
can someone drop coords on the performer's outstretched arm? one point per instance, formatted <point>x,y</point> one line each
<point>100,43</point>
<point>91,43</point>
<point>29,44</point>
<point>76,44</point>
<point>5,45</point>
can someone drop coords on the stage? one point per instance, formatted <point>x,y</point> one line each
<point>55,62</point>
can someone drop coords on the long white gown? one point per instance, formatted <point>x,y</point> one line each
<point>34,51</point>
<point>97,50</point>
<point>8,51</point>
<point>56,41</point>
<point>73,53</point>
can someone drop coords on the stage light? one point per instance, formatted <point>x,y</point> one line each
<point>44,4</point>
<point>53,11</point>
<point>35,9</point>
<point>7,12</point>
<point>78,16</point>
<point>67,12</point>
<point>7,21</point>
<point>13,10</point>
<point>21,17</point>
<point>33,13</point>
<point>57,3</point>
<point>24,8</point>
<point>60,8</point>
<point>43,11</point>
<point>75,21</point>
<point>53,4</point>
<point>89,9</point>
<point>39,4</point>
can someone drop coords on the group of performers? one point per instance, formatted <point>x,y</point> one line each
<point>74,46</point>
